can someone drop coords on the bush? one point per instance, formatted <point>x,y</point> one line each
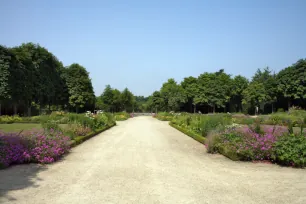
<point>290,150</point>
<point>273,144</point>
<point>77,130</point>
<point>120,116</point>
<point>165,116</point>
<point>212,143</point>
<point>202,124</point>
<point>5,119</point>
<point>81,119</point>
<point>50,125</point>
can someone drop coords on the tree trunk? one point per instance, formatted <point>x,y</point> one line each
<point>272,108</point>
<point>289,103</point>
<point>0,109</point>
<point>214,109</point>
<point>195,108</point>
<point>77,109</point>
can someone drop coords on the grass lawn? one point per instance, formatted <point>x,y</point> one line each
<point>17,127</point>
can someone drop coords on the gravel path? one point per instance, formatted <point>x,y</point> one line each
<point>144,160</point>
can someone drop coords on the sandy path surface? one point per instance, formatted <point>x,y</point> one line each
<point>144,160</point>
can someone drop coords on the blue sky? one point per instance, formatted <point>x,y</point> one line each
<point>140,44</point>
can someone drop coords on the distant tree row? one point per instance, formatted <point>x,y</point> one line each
<point>220,92</point>
<point>113,100</point>
<point>33,79</point>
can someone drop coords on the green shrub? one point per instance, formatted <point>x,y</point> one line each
<point>214,122</point>
<point>110,118</point>
<point>81,119</point>
<point>6,119</point>
<point>213,142</point>
<point>290,149</point>
<point>78,130</point>
<point>190,133</point>
<point>120,116</point>
<point>165,116</point>
<point>201,124</point>
<point>50,125</point>
<point>101,120</point>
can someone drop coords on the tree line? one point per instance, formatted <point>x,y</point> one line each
<point>32,79</point>
<point>219,91</point>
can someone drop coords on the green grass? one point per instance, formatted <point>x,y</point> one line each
<point>17,127</point>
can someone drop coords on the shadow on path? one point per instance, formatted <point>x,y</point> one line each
<point>18,177</point>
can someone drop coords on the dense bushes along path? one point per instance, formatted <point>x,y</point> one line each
<point>143,160</point>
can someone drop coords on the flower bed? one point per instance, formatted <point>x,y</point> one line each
<point>49,144</point>
<point>274,145</point>
<point>34,146</point>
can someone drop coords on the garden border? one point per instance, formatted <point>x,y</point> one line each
<point>189,133</point>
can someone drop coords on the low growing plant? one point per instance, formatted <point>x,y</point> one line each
<point>290,150</point>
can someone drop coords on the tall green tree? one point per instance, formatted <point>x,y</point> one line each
<point>239,84</point>
<point>12,86</point>
<point>127,99</point>
<point>108,98</point>
<point>117,100</point>
<point>292,82</point>
<point>191,90</point>
<point>173,95</point>
<point>214,89</point>
<point>255,94</point>
<point>158,102</point>
<point>79,86</point>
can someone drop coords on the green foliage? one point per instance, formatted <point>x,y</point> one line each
<point>127,100</point>
<point>5,119</point>
<point>50,125</point>
<point>81,119</point>
<point>120,116</point>
<point>79,86</point>
<point>254,94</point>
<point>212,143</point>
<point>290,150</point>
<point>291,81</point>
<point>172,94</point>
<point>239,84</point>
<point>188,132</point>
<point>200,124</point>
<point>214,89</point>
<point>165,116</point>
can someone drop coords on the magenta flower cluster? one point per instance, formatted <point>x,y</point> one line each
<point>261,144</point>
<point>250,145</point>
<point>34,146</point>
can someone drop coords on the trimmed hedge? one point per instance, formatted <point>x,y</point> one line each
<point>80,139</point>
<point>190,133</point>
